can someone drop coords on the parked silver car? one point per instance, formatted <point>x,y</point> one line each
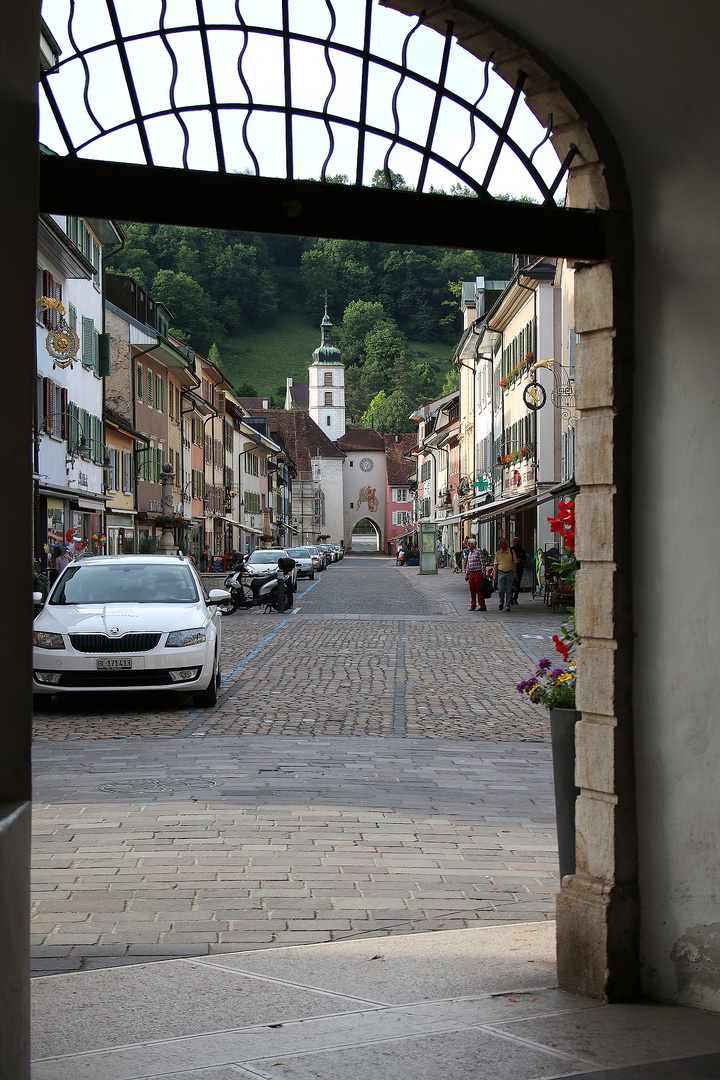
<point>318,556</point>
<point>305,562</point>
<point>265,561</point>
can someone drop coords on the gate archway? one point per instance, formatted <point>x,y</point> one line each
<point>597,910</point>
<point>366,537</point>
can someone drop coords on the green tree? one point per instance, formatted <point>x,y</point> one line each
<point>214,356</point>
<point>342,267</point>
<point>247,389</point>
<point>452,380</point>
<point>389,413</point>
<point>359,318</point>
<point>362,383</point>
<point>398,181</point>
<point>385,345</point>
<point>193,311</point>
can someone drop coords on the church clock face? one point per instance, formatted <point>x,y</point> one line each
<point>366,464</point>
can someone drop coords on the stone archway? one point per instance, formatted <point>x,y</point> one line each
<point>366,537</point>
<point>597,908</point>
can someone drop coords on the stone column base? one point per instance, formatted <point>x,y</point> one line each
<point>597,939</point>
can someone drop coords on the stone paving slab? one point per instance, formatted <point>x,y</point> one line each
<point>341,837</point>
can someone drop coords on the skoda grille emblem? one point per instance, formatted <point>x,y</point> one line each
<point>114,630</point>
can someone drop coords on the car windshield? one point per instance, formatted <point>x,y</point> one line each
<point>269,557</point>
<point>129,583</point>
<point>298,553</point>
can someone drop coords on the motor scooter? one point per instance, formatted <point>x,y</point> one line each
<point>249,590</point>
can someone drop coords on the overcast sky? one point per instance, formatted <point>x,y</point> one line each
<point>263,69</point>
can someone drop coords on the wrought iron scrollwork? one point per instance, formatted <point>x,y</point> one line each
<point>562,394</point>
<point>85,126</point>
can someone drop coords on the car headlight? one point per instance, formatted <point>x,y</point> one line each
<point>179,639</point>
<point>42,639</point>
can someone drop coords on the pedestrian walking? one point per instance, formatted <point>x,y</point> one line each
<point>474,573</point>
<point>504,573</point>
<point>521,558</point>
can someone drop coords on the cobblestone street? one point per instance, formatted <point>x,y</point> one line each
<point>367,771</point>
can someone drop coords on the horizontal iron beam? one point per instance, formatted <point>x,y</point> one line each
<point>156,195</point>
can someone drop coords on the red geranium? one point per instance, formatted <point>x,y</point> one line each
<point>564,524</point>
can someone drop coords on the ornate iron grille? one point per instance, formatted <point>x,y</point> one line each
<point>99,643</point>
<point>104,95</point>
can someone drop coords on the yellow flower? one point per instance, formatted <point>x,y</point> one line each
<point>565,677</point>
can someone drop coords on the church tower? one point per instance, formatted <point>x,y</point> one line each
<point>326,402</point>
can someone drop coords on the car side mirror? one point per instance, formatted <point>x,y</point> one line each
<point>218,596</point>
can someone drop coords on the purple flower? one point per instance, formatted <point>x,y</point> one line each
<point>544,663</point>
<point>558,671</point>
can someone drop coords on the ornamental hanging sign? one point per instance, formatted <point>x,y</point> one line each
<point>62,343</point>
<point>534,395</point>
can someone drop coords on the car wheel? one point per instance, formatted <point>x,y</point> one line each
<point>205,699</point>
<point>311,575</point>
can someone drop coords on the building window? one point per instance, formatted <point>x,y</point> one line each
<point>328,421</point>
<point>327,378</point>
<point>328,397</point>
<point>401,495</point>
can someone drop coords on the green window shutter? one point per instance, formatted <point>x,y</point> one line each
<point>103,368</point>
<point>150,389</point>
<point>95,352</point>
<point>88,336</point>
<point>139,382</point>
<point>162,395</point>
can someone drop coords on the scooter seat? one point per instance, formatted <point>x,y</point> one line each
<point>257,582</point>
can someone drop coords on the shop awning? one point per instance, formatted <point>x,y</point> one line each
<point>521,502</point>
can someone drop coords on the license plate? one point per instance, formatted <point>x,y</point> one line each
<point>114,662</point>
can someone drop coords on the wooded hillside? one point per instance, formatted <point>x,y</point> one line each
<point>390,303</point>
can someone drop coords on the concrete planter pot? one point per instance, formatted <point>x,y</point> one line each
<point>562,735</point>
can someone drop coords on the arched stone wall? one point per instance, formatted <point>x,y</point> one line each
<point>598,907</point>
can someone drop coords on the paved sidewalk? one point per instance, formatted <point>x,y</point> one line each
<point>164,848</point>
<point>468,1004</point>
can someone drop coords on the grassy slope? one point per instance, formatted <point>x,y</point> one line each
<point>266,357</point>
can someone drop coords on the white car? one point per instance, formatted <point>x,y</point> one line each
<point>129,622</point>
<point>265,561</point>
<point>304,560</point>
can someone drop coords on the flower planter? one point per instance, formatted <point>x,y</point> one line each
<point>562,734</point>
